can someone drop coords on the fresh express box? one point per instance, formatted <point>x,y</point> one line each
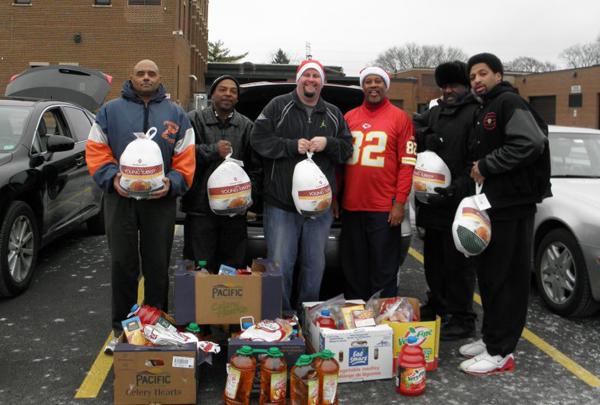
<point>220,299</point>
<point>426,332</point>
<point>164,374</point>
<point>362,353</point>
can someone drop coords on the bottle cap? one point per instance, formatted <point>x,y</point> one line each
<point>274,352</point>
<point>304,360</point>
<point>325,312</point>
<point>411,340</point>
<point>245,351</point>
<point>246,325</point>
<point>202,263</point>
<point>134,308</point>
<point>326,354</point>
<point>193,327</point>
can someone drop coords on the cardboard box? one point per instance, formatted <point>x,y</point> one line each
<point>219,299</point>
<point>426,332</point>
<point>363,353</point>
<point>165,375</point>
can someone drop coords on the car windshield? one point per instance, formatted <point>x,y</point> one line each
<point>575,155</point>
<point>12,125</point>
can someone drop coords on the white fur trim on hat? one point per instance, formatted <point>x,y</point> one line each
<point>374,70</point>
<point>310,65</point>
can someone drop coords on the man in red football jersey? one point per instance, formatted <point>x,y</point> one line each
<point>377,181</point>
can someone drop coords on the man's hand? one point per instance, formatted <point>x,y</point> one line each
<point>224,148</point>
<point>303,145</point>
<point>396,215</point>
<point>476,174</point>
<point>318,143</point>
<point>117,186</point>
<point>161,192</point>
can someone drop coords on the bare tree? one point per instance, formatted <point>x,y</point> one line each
<point>218,53</point>
<point>412,55</point>
<point>280,58</point>
<point>528,64</point>
<point>582,55</point>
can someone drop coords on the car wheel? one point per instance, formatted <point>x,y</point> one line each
<point>95,224</point>
<point>561,275</point>
<point>19,243</point>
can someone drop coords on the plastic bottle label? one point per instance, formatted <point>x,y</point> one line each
<point>233,382</point>
<point>413,379</point>
<point>278,386</point>
<point>330,382</point>
<point>313,392</point>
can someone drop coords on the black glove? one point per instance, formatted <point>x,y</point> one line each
<point>444,196</point>
<point>433,142</point>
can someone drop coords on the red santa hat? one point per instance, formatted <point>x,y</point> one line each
<point>310,64</point>
<point>374,70</point>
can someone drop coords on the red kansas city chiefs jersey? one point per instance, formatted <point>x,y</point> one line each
<point>381,167</point>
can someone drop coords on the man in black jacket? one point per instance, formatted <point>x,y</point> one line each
<point>510,153</point>
<point>444,129</point>
<point>219,130</point>
<point>288,127</point>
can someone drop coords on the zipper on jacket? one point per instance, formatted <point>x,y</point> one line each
<point>273,170</point>
<point>146,110</point>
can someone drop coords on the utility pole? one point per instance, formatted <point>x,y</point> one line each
<point>308,51</point>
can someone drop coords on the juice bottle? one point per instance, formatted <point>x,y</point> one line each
<point>328,371</point>
<point>201,266</point>
<point>325,320</point>
<point>273,378</point>
<point>304,382</point>
<point>410,376</point>
<point>240,375</point>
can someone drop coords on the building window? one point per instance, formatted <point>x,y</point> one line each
<point>102,2</point>
<point>22,2</point>
<point>575,100</point>
<point>144,2</point>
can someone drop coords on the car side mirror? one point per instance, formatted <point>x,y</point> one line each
<point>59,143</point>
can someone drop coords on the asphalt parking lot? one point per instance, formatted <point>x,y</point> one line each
<point>52,336</point>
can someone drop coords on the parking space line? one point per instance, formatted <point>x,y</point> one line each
<point>93,381</point>
<point>540,343</point>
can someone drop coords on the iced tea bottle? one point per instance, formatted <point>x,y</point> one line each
<point>273,378</point>
<point>304,382</point>
<point>240,375</point>
<point>328,371</point>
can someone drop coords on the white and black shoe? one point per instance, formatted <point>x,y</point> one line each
<point>485,364</point>
<point>472,349</point>
<point>111,345</point>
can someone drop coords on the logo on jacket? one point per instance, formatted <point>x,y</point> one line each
<point>323,125</point>
<point>489,121</point>
<point>366,125</point>
<point>170,132</point>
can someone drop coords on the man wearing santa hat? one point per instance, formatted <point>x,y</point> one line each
<point>377,181</point>
<point>288,127</point>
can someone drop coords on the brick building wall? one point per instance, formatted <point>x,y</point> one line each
<point>109,38</point>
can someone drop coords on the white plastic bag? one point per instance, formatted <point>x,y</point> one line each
<point>310,189</point>
<point>430,172</point>
<point>471,229</point>
<point>141,166</point>
<point>229,188</point>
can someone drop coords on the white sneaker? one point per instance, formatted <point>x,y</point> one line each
<point>484,364</point>
<point>472,349</point>
<point>110,346</point>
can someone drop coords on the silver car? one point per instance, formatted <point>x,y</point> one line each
<point>567,225</point>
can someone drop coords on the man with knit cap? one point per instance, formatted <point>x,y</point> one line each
<point>288,127</point>
<point>511,160</point>
<point>377,181</point>
<point>445,129</point>
<point>219,130</point>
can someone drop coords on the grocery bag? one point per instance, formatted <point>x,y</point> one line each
<point>430,172</point>
<point>141,166</point>
<point>471,229</point>
<point>229,188</point>
<point>310,189</point>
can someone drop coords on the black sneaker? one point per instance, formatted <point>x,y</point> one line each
<point>456,329</point>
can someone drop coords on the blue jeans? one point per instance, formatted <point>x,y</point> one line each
<point>285,231</point>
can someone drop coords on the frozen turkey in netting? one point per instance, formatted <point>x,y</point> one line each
<point>229,188</point>
<point>430,172</point>
<point>141,166</point>
<point>310,189</point>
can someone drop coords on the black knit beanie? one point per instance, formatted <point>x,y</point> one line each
<point>219,79</point>
<point>452,72</point>
<point>489,59</point>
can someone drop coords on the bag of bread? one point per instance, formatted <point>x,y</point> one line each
<point>229,188</point>
<point>430,172</point>
<point>471,229</point>
<point>141,166</point>
<point>310,189</point>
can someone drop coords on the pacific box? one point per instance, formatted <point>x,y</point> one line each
<point>219,299</point>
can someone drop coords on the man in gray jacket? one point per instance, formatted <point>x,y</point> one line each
<point>219,130</point>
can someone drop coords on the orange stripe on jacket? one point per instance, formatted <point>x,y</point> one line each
<point>97,155</point>
<point>185,163</point>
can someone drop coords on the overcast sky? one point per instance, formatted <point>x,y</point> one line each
<point>352,33</point>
